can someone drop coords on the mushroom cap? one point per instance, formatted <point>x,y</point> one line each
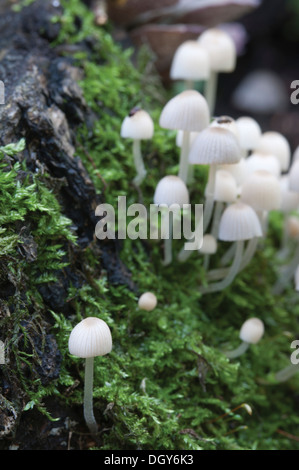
<point>171,190</point>
<point>263,161</point>
<point>138,125</point>
<point>209,244</point>
<point>90,338</point>
<point>276,144</point>
<point>238,170</point>
<point>226,122</point>
<point>147,301</point>
<point>221,48</point>
<point>239,222</point>
<point>262,191</point>
<point>226,189</point>
<point>249,132</point>
<point>190,62</point>
<point>215,145</point>
<point>252,330</point>
<point>294,177</point>
<point>188,111</point>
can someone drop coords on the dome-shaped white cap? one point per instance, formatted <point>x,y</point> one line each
<point>239,222</point>
<point>187,111</point>
<point>249,132</point>
<point>262,191</point>
<point>221,49</point>
<point>226,189</point>
<point>296,154</point>
<point>252,330</point>
<point>138,125</point>
<point>263,161</point>
<point>190,62</point>
<point>226,122</point>
<point>147,301</point>
<point>276,144</point>
<point>209,245</point>
<point>289,199</point>
<point>90,338</point>
<point>294,177</point>
<point>171,190</point>
<point>215,145</point>
<point>238,170</point>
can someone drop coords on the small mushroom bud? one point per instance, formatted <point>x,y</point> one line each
<point>251,332</point>
<point>147,301</point>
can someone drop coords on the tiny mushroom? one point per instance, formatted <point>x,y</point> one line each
<point>238,223</point>
<point>171,193</point>
<point>190,63</point>
<point>138,125</point>
<point>188,111</point>
<point>249,133</point>
<point>251,332</point>
<point>88,339</point>
<point>222,55</point>
<point>147,301</point>
<point>276,144</point>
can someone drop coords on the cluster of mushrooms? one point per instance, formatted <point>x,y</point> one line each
<point>250,174</point>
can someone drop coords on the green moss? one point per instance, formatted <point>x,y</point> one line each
<point>166,383</point>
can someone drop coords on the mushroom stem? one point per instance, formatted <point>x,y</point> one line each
<point>139,165</point>
<point>238,351</point>
<point>219,273</point>
<point>228,255</point>
<point>231,274</point>
<point>209,203</point>
<point>88,392</point>
<point>183,170</point>
<point>286,373</point>
<point>189,84</point>
<point>211,90</point>
<point>216,219</point>
<point>286,274</point>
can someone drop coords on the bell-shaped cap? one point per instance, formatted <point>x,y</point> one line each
<point>262,191</point>
<point>215,146</point>
<point>90,338</point>
<point>138,125</point>
<point>171,190</point>
<point>190,62</point>
<point>221,48</point>
<point>276,144</point>
<point>209,245</point>
<point>239,222</point>
<point>249,132</point>
<point>187,111</point>
<point>252,330</point>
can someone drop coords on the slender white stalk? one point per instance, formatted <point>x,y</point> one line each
<point>209,202</point>
<point>228,255</point>
<point>216,219</point>
<point>184,162</point>
<point>208,210</point>
<point>286,373</point>
<point>189,84</point>
<point>238,351</point>
<point>88,392</point>
<point>231,274</point>
<point>139,165</point>
<point>211,91</point>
